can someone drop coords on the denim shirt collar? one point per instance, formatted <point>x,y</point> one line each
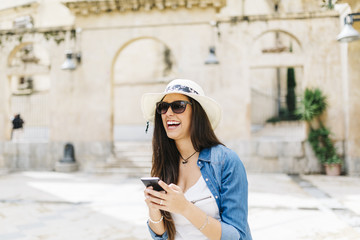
<point>205,155</point>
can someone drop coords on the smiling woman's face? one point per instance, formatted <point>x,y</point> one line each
<point>177,126</point>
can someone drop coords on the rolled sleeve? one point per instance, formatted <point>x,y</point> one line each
<point>155,236</point>
<point>228,232</point>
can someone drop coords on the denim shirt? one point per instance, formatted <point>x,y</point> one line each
<point>225,176</point>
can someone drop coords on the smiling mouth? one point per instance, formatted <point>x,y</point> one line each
<point>172,124</point>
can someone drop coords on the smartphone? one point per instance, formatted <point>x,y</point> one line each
<point>152,181</point>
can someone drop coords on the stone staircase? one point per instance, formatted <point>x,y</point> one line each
<point>130,159</point>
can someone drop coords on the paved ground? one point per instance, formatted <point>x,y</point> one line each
<point>59,206</point>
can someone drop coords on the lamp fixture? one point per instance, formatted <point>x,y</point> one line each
<point>348,33</point>
<point>212,59</point>
<point>71,61</point>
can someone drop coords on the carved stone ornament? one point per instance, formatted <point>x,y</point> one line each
<point>83,7</point>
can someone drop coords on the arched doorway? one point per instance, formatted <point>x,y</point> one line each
<point>141,65</point>
<point>276,54</point>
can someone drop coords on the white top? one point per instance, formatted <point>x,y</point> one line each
<point>201,196</point>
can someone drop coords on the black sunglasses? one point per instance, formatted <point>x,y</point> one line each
<point>176,106</point>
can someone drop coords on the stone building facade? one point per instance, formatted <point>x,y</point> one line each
<point>128,49</point>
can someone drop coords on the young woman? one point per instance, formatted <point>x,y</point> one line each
<point>205,183</point>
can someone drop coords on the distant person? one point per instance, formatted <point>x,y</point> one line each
<point>17,127</point>
<point>205,183</point>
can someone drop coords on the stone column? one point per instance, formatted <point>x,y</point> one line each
<point>4,99</point>
<point>3,168</point>
<point>5,128</point>
<point>353,141</point>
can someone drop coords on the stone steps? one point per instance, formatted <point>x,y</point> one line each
<point>131,159</point>
<point>124,172</point>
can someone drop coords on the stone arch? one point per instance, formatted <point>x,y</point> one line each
<point>14,51</point>
<point>44,53</point>
<point>271,48</point>
<point>290,35</point>
<point>131,76</point>
<point>133,41</point>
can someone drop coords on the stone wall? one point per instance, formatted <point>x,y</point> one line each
<point>279,156</point>
<point>266,155</point>
<point>43,156</point>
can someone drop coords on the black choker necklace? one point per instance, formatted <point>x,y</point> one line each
<point>185,161</point>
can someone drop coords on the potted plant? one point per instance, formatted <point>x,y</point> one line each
<point>312,107</point>
<point>324,150</point>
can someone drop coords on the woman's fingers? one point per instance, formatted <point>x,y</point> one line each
<point>175,187</point>
<point>157,194</point>
<point>155,197</point>
<point>171,200</point>
<point>153,202</point>
<point>150,199</point>
<point>156,203</point>
<point>158,199</point>
<point>146,192</point>
<point>164,186</point>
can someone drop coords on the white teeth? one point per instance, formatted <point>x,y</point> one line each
<point>172,122</point>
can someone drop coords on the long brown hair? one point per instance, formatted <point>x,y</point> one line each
<point>165,159</point>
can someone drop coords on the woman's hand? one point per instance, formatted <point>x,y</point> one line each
<point>173,200</point>
<point>155,216</point>
<point>148,197</point>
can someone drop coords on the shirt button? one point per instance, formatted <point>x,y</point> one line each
<point>207,179</point>
<point>216,197</point>
<point>199,162</point>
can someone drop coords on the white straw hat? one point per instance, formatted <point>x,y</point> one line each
<point>185,87</point>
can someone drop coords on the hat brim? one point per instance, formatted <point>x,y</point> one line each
<point>211,107</point>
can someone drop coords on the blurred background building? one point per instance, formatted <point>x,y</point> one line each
<point>75,71</point>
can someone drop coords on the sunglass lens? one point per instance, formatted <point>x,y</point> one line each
<point>162,107</point>
<point>178,107</point>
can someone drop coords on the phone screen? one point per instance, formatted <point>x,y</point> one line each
<point>152,181</point>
